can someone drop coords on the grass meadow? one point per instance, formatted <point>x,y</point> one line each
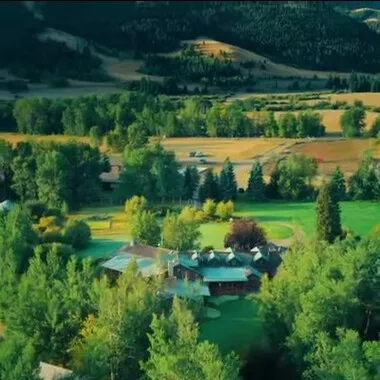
<point>280,220</point>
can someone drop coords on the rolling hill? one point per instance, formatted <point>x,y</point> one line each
<point>304,34</point>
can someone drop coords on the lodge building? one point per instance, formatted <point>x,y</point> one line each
<point>212,273</point>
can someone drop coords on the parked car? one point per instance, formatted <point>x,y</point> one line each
<point>202,161</point>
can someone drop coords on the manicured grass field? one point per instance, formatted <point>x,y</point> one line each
<point>213,233</point>
<point>237,329</point>
<point>102,248</point>
<point>361,216</point>
<point>279,219</point>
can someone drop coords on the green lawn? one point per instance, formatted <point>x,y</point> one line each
<point>361,216</point>
<point>213,233</point>
<point>237,329</point>
<point>102,247</point>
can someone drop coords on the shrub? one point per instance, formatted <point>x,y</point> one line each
<point>191,214</point>
<point>209,208</point>
<point>78,234</point>
<point>225,210</point>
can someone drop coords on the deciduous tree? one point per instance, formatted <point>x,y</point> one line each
<point>245,234</point>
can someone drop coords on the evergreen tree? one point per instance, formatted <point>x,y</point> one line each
<point>210,187</point>
<point>190,182</point>
<point>328,215</point>
<point>353,82</point>
<point>255,189</point>
<point>338,184</point>
<point>227,181</point>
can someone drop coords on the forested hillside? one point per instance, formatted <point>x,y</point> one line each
<point>307,34</point>
<point>26,56</point>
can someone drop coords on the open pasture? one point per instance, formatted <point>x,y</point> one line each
<point>220,148</point>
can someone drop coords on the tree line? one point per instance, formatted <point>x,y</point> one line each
<point>355,83</point>
<point>113,115</point>
<point>55,174</point>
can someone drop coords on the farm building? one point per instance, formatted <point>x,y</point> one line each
<point>212,273</point>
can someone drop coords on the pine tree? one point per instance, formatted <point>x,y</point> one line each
<point>338,184</point>
<point>227,181</point>
<point>210,187</point>
<point>328,215</point>
<point>255,189</point>
<point>190,182</point>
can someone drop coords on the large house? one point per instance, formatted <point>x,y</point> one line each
<point>226,272</point>
<point>211,273</point>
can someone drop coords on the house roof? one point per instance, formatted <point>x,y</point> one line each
<point>52,372</point>
<point>224,274</point>
<point>145,250</point>
<point>145,265</point>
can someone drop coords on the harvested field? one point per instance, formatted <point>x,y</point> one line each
<point>14,138</point>
<point>331,119</point>
<point>221,148</point>
<point>368,98</point>
<point>345,153</point>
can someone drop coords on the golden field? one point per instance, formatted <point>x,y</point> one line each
<point>15,138</point>
<point>345,153</point>
<point>220,148</point>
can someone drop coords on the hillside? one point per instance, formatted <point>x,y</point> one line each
<point>369,16</point>
<point>305,34</point>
